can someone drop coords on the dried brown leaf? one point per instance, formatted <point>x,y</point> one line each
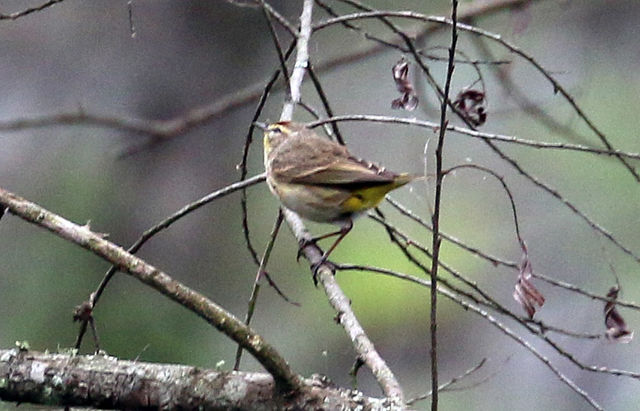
<point>408,99</point>
<point>471,104</point>
<point>616,326</point>
<point>526,294</point>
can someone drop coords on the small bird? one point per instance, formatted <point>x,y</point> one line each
<point>320,180</point>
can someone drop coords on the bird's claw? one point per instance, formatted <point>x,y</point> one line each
<point>316,266</point>
<point>304,243</point>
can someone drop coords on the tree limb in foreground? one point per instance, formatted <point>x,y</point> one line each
<point>101,381</point>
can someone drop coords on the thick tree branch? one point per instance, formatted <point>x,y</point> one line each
<point>100,381</point>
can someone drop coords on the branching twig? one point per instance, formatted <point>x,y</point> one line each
<point>497,38</point>
<point>147,235</point>
<point>208,310</point>
<point>493,321</point>
<point>494,305</point>
<point>199,116</point>
<point>510,264</point>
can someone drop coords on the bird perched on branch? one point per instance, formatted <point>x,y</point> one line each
<point>320,180</point>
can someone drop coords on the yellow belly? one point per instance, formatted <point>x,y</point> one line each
<point>327,204</point>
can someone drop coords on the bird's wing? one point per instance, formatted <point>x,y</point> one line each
<point>346,172</point>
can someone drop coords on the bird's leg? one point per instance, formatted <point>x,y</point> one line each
<point>312,241</point>
<point>344,230</point>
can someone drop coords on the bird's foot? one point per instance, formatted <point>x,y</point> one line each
<point>304,243</point>
<point>316,266</point>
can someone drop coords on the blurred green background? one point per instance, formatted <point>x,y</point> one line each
<point>81,56</point>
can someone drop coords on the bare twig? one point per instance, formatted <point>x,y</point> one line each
<point>199,116</point>
<point>18,14</point>
<point>477,134</point>
<point>493,321</point>
<point>510,264</point>
<point>325,102</point>
<point>276,43</point>
<point>495,305</point>
<point>148,234</point>
<point>256,283</point>
<point>446,385</point>
<point>505,187</point>
<point>435,219</point>
<point>245,156</point>
<point>495,37</point>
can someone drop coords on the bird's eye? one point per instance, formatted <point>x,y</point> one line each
<point>276,129</point>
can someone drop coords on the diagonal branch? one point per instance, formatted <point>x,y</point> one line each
<point>215,315</point>
<point>26,12</point>
<point>363,346</point>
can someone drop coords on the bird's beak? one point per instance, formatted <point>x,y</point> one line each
<point>260,125</point>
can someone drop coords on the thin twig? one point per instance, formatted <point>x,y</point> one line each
<point>200,116</point>
<point>389,44</point>
<point>510,264</point>
<point>493,321</point>
<point>148,234</point>
<point>245,156</point>
<point>477,134</point>
<point>495,37</point>
<point>504,186</point>
<point>476,251</point>
<point>513,90</point>
<point>18,14</point>
<point>276,43</point>
<point>325,102</point>
<point>256,283</point>
<point>446,385</point>
<point>435,219</point>
<point>495,305</point>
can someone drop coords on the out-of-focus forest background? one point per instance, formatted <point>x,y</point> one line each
<point>81,56</point>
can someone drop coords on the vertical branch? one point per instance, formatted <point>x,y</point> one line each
<point>302,61</point>
<point>338,300</point>
<point>436,209</point>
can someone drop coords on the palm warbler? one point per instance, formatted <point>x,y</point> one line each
<point>320,180</point>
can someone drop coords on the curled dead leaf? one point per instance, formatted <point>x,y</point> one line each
<point>408,99</point>
<point>471,104</point>
<point>526,294</point>
<point>617,330</point>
